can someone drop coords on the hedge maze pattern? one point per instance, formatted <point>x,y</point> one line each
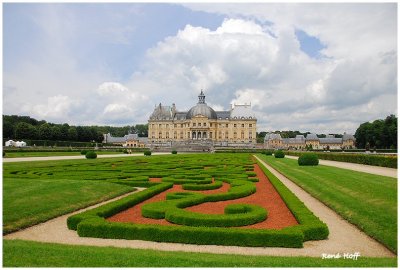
<point>195,173</point>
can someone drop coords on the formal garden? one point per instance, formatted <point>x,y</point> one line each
<point>201,199</point>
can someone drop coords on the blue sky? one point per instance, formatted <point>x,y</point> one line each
<point>299,66</point>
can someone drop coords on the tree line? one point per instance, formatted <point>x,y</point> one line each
<point>380,134</point>
<point>24,127</point>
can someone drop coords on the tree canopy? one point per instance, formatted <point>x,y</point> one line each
<point>381,133</point>
<point>25,127</point>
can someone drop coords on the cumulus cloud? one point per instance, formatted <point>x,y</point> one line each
<point>254,56</point>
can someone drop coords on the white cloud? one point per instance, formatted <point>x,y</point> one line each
<point>254,58</point>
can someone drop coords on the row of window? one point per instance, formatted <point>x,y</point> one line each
<point>198,125</point>
<point>204,135</point>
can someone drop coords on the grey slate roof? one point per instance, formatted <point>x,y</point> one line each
<point>348,137</point>
<point>242,111</point>
<point>223,114</point>
<point>312,137</point>
<point>330,140</point>
<point>110,139</point>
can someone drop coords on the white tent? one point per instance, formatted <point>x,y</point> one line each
<point>10,143</point>
<point>20,144</point>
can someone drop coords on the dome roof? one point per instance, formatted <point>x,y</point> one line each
<point>201,109</point>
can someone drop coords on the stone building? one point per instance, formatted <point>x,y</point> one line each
<point>275,141</point>
<point>130,140</point>
<point>202,127</point>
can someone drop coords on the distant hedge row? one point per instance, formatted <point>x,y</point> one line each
<point>366,159</point>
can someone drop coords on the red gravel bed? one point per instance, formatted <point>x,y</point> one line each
<point>279,216</point>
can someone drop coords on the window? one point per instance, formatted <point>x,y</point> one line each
<point>227,135</point>
<point>242,135</point>
<point>204,124</point>
<point>175,137</point>
<point>210,135</point>
<point>226,125</point>
<point>160,135</point>
<point>152,135</point>
<point>167,126</point>
<point>250,125</point>
<point>243,125</point>
<point>174,125</point>
<point>210,126</point>
<point>181,134</point>
<point>234,135</point>
<point>234,125</point>
<point>181,125</point>
<point>194,124</point>
<point>250,135</point>
<point>167,135</point>
<point>159,125</point>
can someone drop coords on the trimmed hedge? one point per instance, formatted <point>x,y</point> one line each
<point>279,154</point>
<point>91,155</point>
<point>215,185</point>
<point>308,159</point>
<point>269,152</point>
<point>83,152</point>
<point>98,227</point>
<point>115,207</point>
<point>311,226</point>
<point>235,215</point>
<point>92,223</point>
<point>147,153</point>
<point>174,152</point>
<point>366,159</point>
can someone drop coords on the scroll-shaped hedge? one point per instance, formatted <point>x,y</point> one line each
<point>179,200</point>
<point>115,207</point>
<point>235,215</point>
<point>215,185</point>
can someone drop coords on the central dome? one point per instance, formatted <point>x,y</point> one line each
<point>201,109</point>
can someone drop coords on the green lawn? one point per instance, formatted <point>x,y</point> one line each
<point>52,154</point>
<point>38,191</point>
<point>366,200</point>
<point>17,253</point>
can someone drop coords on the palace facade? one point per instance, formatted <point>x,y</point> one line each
<point>202,126</point>
<point>275,141</point>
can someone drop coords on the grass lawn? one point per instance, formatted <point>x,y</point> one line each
<point>17,253</point>
<point>34,192</point>
<point>366,200</point>
<point>52,154</point>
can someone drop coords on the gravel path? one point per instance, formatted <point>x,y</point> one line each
<point>75,157</point>
<point>358,167</point>
<point>343,238</point>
